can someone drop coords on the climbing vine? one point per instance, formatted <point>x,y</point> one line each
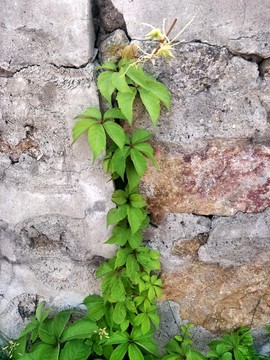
<point>120,323</point>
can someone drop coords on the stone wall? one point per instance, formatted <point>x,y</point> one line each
<point>209,199</point>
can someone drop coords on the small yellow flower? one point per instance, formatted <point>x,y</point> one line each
<point>102,332</point>
<point>155,34</point>
<point>165,51</point>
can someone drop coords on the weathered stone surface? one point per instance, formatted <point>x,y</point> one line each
<point>207,101</point>
<point>54,200</point>
<point>35,33</point>
<point>222,179</point>
<point>238,240</point>
<point>221,298</point>
<point>110,48</point>
<point>241,26</point>
<point>177,232</point>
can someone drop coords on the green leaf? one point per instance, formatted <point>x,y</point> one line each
<point>29,327</point>
<point>119,161</point>
<point>119,197</point>
<point>195,355</point>
<point>119,313</point>
<point>105,85</point>
<point>136,74</point>
<point>135,240</point>
<point>132,175</point>
<point>135,218</point>
<point>118,292</point>
<point>118,337</point>
<point>134,353</point>
<point>119,352</point>
<point>159,90</point>
<point>45,352</point>
<point>45,332</point>
<point>139,161</point>
<point>119,237</point>
<point>104,269</point>
<point>119,81</point>
<point>125,101</point>
<point>121,257</point>
<point>113,113</point>
<point>60,322</point>
<point>147,344</point>
<point>40,312</point>
<point>151,103</point>
<point>148,151</point>
<point>80,128</point>
<point>75,350</point>
<point>80,329</point>
<point>140,135</point>
<point>226,356</point>
<point>238,355</point>
<point>90,113</point>
<point>137,201</point>
<point>132,266</point>
<point>96,139</point>
<point>115,132</point>
<point>95,305</point>
<point>116,215</point>
<point>108,65</point>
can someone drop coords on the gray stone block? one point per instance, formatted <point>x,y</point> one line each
<point>40,32</point>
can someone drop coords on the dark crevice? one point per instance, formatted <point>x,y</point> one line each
<point>106,19</point>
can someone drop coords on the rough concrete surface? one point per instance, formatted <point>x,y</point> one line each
<point>239,25</point>
<point>41,32</point>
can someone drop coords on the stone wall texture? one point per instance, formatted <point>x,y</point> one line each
<point>210,198</point>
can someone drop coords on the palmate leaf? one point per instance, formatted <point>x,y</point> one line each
<point>105,85</point>
<point>135,218</point>
<point>136,74</point>
<point>151,103</point>
<point>119,197</point>
<point>125,101</point>
<point>96,139</point>
<point>45,352</point>
<point>115,132</point>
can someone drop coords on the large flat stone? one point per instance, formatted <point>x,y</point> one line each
<point>54,199</point>
<point>222,179</point>
<point>40,32</point>
<point>220,299</point>
<point>241,26</point>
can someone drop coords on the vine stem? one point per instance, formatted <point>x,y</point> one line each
<point>165,37</point>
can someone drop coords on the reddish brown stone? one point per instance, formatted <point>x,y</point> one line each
<point>221,298</point>
<point>221,179</point>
